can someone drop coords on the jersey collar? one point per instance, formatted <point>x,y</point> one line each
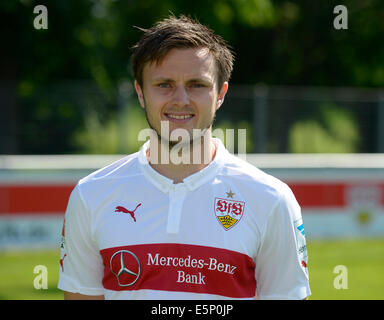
<point>191,182</point>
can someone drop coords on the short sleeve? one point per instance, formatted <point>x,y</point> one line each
<point>281,262</point>
<point>81,266</point>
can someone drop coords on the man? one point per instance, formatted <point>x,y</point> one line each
<point>182,218</point>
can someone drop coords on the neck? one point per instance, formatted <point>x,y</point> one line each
<point>181,160</point>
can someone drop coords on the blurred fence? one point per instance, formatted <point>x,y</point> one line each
<point>84,119</point>
<point>309,119</point>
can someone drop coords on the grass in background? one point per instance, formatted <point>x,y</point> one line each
<point>364,260</point>
<point>16,275</point>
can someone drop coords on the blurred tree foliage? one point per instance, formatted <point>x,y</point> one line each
<point>278,42</point>
<point>335,131</point>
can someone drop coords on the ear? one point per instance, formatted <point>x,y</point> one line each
<point>140,94</point>
<point>221,95</point>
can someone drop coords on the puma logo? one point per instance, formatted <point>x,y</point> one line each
<point>124,210</point>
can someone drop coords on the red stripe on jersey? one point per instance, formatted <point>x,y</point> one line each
<point>179,267</point>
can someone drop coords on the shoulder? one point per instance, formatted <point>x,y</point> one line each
<point>263,193</point>
<point>253,178</point>
<point>112,174</point>
<point>123,167</point>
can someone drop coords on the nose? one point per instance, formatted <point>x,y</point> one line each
<point>180,97</point>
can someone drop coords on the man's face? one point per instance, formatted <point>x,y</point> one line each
<point>182,90</point>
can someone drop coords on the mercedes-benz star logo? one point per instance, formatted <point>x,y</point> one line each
<point>124,270</point>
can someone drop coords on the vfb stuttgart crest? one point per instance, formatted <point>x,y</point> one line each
<point>228,212</point>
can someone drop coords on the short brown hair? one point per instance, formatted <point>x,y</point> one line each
<point>182,32</point>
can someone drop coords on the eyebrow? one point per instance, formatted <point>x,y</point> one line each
<point>193,80</point>
<point>163,80</point>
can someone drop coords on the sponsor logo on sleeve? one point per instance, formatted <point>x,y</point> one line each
<point>63,251</point>
<point>301,244</point>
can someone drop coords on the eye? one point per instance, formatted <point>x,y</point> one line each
<point>164,85</point>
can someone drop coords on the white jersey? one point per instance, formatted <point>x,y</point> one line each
<point>228,231</point>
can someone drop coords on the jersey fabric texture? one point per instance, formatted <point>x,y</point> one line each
<point>229,231</point>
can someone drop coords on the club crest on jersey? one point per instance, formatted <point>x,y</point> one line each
<point>228,212</point>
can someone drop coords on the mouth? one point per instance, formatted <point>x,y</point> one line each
<point>179,117</point>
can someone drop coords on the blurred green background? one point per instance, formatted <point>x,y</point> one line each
<point>72,82</point>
